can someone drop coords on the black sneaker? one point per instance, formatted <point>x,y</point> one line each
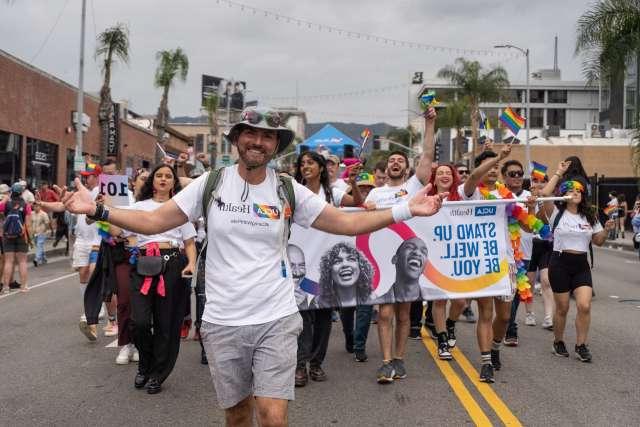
<point>385,373</point>
<point>432,330</point>
<point>400,371</point>
<point>451,335</point>
<point>414,334</point>
<point>583,353</point>
<point>443,351</point>
<point>559,349</point>
<point>495,360</point>
<point>14,285</point>
<point>360,356</point>
<point>468,315</point>
<point>486,373</point>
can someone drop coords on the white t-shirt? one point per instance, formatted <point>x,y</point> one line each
<point>573,231</point>
<point>478,196</point>
<point>86,233</point>
<point>336,193</point>
<point>526,238</point>
<point>175,236</point>
<point>386,196</point>
<point>340,184</point>
<point>243,280</point>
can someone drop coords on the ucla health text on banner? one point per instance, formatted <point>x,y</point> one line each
<point>458,253</point>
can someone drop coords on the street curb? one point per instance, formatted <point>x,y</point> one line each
<point>621,246</point>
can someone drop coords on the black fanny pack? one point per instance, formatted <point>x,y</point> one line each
<point>150,265</point>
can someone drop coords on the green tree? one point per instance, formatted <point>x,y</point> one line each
<point>475,85</point>
<point>211,108</point>
<point>608,37</point>
<point>172,64</point>
<point>112,44</point>
<point>455,115</point>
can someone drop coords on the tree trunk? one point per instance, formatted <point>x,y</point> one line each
<point>161,123</point>
<point>213,154</point>
<point>104,111</point>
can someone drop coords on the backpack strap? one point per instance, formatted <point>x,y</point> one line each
<point>214,179</point>
<point>556,220</point>
<point>287,196</point>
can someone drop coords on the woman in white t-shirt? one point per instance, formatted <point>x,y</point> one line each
<point>158,301</point>
<point>574,227</point>
<point>311,171</point>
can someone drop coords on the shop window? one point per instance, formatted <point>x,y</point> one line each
<point>557,97</point>
<point>536,96</point>
<point>556,117</point>
<point>10,153</point>
<point>536,119</point>
<point>42,162</point>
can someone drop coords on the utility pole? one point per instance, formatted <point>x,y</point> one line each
<point>78,161</point>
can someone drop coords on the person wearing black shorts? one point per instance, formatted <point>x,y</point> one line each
<point>574,226</point>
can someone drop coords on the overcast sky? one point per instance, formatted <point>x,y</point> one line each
<point>272,55</point>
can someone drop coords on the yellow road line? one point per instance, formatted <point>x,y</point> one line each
<point>468,402</point>
<point>501,409</point>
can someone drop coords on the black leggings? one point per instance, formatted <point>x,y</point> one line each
<point>159,349</point>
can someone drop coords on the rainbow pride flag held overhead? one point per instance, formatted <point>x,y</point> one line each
<point>538,171</point>
<point>512,120</point>
<point>428,99</point>
<point>365,134</point>
<point>609,210</point>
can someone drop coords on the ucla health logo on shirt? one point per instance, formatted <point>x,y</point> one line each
<point>266,211</point>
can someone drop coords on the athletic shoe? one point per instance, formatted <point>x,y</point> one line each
<point>530,319</point>
<point>495,360</point>
<point>443,351</point>
<point>547,324</point>
<point>511,341</point>
<point>334,316</point>
<point>431,327</point>
<point>317,374</point>
<point>468,315</point>
<point>360,356</point>
<point>398,367</point>
<point>301,377</point>
<point>110,331</point>
<point>451,336</point>
<point>124,356</point>
<point>414,334</point>
<point>89,331</point>
<point>385,373</point>
<point>103,313</point>
<point>559,349</point>
<point>14,285</point>
<point>35,263</point>
<point>486,374</point>
<point>583,353</point>
<point>135,355</point>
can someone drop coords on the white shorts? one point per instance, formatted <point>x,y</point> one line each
<point>81,254</point>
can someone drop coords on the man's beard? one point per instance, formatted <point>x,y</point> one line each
<point>251,163</point>
<point>396,175</point>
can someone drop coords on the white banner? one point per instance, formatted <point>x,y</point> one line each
<point>115,188</point>
<point>458,253</point>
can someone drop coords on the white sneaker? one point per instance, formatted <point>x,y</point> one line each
<point>124,355</point>
<point>547,323</point>
<point>83,318</point>
<point>530,319</point>
<point>103,313</point>
<point>135,356</point>
<point>110,330</point>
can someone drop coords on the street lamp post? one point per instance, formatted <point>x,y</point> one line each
<point>527,151</point>
<point>78,162</point>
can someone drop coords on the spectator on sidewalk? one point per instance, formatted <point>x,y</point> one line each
<point>17,214</point>
<point>27,195</point>
<point>40,224</point>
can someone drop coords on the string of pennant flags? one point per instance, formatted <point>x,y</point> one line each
<point>341,32</point>
<point>329,96</point>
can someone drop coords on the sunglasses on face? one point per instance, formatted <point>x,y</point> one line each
<point>515,174</point>
<point>273,119</point>
<point>463,172</point>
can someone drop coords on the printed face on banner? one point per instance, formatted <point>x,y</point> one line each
<point>458,253</point>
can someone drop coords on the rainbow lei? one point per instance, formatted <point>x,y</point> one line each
<point>518,217</point>
<point>103,231</point>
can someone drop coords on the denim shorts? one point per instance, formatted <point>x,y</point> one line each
<point>258,360</point>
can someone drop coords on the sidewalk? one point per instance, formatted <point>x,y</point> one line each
<point>49,250</point>
<point>625,244</point>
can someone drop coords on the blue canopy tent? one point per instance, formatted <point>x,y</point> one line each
<point>332,139</point>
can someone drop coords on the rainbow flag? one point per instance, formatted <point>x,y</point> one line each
<point>609,210</point>
<point>365,134</point>
<point>538,171</point>
<point>512,120</point>
<point>428,99</point>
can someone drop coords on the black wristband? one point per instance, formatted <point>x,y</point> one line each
<point>101,213</point>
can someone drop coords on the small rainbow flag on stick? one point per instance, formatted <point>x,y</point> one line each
<point>512,120</point>
<point>609,210</point>
<point>538,171</point>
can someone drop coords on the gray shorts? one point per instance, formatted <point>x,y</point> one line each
<point>258,360</point>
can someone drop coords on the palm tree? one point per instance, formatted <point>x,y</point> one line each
<point>111,44</point>
<point>608,37</point>
<point>172,64</point>
<point>455,115</point>
<point>211,107</point>
<point>476,86</point>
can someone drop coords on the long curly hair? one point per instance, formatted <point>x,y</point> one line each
<point>585,208</point>
<point>146,192</point>
<point>328,292</point>
<point>455,182</point>
<point>324,174</point>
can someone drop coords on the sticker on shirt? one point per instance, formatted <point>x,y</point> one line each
<point>401,193</point>
<point>266,211</point>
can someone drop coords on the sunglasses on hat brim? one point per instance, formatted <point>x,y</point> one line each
<point>253,117</point>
